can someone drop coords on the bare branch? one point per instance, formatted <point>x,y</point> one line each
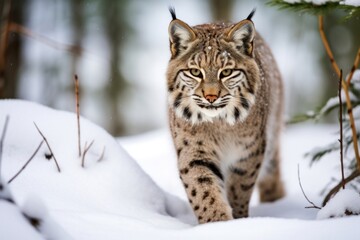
<point>48,145</point>
<point>14,27</point>
<point>341,133</point>
<point>77,110</point>
<point>327,46</point>
<point>86,149</point>
<point>303,192</point>
<point>27,162</point>
<point>102,155</point>
<point>2,139</point>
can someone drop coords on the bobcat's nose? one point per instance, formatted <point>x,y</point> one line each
<point>211,98</point>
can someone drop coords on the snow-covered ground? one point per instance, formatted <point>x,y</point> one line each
<point>134,191</point>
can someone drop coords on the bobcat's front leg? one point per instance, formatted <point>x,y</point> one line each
<point>204,182</point>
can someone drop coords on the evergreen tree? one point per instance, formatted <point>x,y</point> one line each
<point>348,101</point>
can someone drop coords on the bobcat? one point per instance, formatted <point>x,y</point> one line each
<point>225,102</point>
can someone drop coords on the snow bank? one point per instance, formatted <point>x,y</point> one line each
<point>120,198</point>
<point>345,202</point>
<point>13,225</point>
<point>113,192</point>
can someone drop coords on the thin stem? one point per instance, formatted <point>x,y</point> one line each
<point>341,133</point>
<point>307,199</point>
<point>14,27</point>
<point>86,149</point>
<point>27,162</point>
<point>48,145</point>
<point>102,155</point>
<point>77,110</point>
<point>2,139</point>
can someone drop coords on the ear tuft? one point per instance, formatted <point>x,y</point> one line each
<point>181,35</point>
<point>172,12</point>
<point>242,34</point>
<point>250,15</point>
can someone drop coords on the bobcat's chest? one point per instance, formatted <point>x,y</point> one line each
<point>235,150</point>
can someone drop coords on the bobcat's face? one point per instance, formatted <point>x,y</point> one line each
<point>212,73</point>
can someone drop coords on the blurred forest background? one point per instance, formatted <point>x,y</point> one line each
<point>120,49</point>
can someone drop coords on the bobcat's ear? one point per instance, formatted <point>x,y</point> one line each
<point>242,34</point>
<point>181,35</point>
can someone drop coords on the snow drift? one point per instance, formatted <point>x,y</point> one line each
<point>122,198</point>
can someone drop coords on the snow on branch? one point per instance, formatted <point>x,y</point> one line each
<point>318,7</point>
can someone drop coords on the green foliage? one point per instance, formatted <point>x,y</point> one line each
<point>331,105</point>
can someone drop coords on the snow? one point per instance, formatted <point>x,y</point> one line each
<point>136,193</point>
<point>356,77</point>
<point>13,225</point>
<point>346,200</point>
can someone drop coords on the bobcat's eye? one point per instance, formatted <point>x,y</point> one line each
<point>196,72</point>
<point>226,73</point>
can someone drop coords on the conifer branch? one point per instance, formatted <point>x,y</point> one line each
<point>335,189</point>
<point>315,9</point>
<point>344,86</point>
<point>48,145</point>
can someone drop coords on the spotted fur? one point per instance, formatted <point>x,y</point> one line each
<point>225,110</point>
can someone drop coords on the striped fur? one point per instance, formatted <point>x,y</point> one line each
<point>225,109</point>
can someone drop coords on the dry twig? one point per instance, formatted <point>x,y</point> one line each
<point>77,110</point>
<point>2,139</point>
<point>312,204</point>
<point>86,149</point>
<point>341,133</point>
<point>48,145</point>
<point>14,27</point>
<point>102,155</point>
<point>27,162</point>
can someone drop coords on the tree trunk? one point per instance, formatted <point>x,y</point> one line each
<point>10,50</point>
